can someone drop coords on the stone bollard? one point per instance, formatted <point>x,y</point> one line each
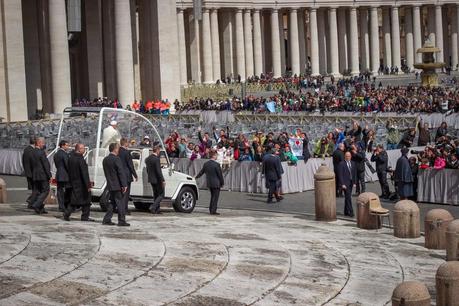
<point>3,194</point>
<point>364,219</point>
<point>447,284</point>
<point>407,220</point>
<point>411,293</point>
<point>436,222</point>
<point>325,196</point>
<point>452,241</point>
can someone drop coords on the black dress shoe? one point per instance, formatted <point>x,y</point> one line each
<point>29,206</point>
<point>279,199</point>
<point>66,218</point>
<point>269,201</point>
<point>44,212</point>
<point>88,220</point>
<point>108,223</point>
<point>36,210</point>
<point>215,213</point>
<point>123,224</point>
<point>156,212</point>
<point>128,213</point>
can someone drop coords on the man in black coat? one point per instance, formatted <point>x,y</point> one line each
<point>404,176</point>
<point>347,178</point>
<point>380,157</point>
<point>156,179</point>
<point>359,157</point>
<point>27,164</point>
<point>41,176</point>
<point>116,185</point>
<point>272,170</point>
<point>338,156</point>
<point>79,183</point>
<point>214,178</point>
<point>129,170</point>
<point>61,159</point>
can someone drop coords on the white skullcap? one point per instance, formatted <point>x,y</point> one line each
<point>113,122</point>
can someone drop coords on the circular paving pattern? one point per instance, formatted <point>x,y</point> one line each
<point>238,258</point>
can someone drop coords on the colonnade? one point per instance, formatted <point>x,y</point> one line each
<point>333,40</point>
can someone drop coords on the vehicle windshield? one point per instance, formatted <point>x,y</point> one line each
<point>98,128</point>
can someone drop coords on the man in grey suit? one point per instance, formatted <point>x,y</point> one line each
<point>156,179</point>
<point>41,176</point>
<point>61,160</point>
<point>116,184</point>
<point>214,178</point>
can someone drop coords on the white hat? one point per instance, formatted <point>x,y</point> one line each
<point>146,137</point>
<point>113,122</point>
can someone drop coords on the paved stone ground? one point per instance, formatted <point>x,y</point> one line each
<point>238,258</point>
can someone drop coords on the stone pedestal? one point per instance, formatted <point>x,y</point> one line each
<point>325,196</point>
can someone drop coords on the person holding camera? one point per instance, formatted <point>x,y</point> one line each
<point>381,159</point>
<point>359,157</point>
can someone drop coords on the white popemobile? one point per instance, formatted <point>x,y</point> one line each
<point>88,125</point>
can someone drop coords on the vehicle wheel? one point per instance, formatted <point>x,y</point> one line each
<point>104,199</point>
<point>142,206</point>
<point>186,200</point>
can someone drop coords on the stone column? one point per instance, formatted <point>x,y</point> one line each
<point>314,42</point>
<point>206,48</point>
<point>294,42</point>
<point>60,61</point>
<point>334,51</point>
<point>275,42</point>
<point>248,41</point>
<point>257,43</point>
<point>302,41</point>
<point>439,32</point>
<point>409,48</point>
<point>396,62</point>
<point>124,57</point>
<point>282,43</point>
<point>454,37</point>
<point>240,54</point>
<point>374,40</point>
<point>354,42</point>
<point>342,40</point>
<point>215,44</point>
<point>182,47</point>
<point>417,36</point>
<point>323,63</point>
<point>387,37</point>
<point>93,20</point>
<point>228,38</point>
<point>13,94</point>
<point>364,40</point>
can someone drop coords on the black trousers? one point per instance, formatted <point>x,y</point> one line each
<point>33,195</point>
<point>214,195</point>
<point>116,200</point>
<point>272,188</point>
<point>338,190</point>
<point>63,195</point>
<point>41,189</point>
<point>85,211</point>
<point>126,197</point>
<point>382,177</point>
<point>158,196</point>
<point>360,186</point>
<point>348,210</point>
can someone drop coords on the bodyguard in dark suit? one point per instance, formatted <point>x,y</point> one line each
<point>27,164</point>
<point>272,170</point>
<point>380,157</point>
<point>214,179</point>
<point>156,179</point>
<point>359,157</point>
<point>41,176</point>
<point>61,160</point>
<point>338,156</point>
<point>347,177</point>
<point>128,166</point>
<point>116,185</point>
<point>79,183</point>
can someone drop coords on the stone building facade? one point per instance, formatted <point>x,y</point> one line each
<point>54,51</point>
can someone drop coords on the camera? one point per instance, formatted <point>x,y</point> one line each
<point>416,152</point>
